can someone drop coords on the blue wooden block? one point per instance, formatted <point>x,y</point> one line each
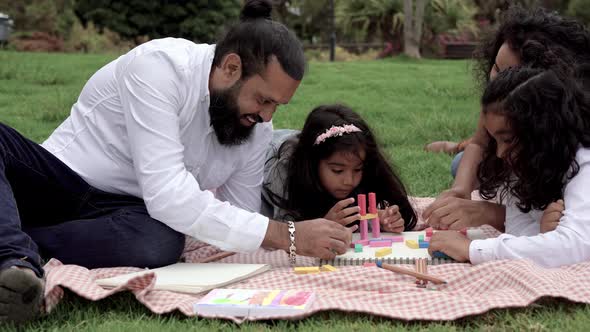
<point>440,254</point>
<point>423,244</point>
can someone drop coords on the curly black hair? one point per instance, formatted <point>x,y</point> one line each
<point>549,117</point>
<point>307,199</point>
<point>541,39</point>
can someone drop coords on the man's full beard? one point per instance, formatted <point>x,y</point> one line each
<point>225,116</point>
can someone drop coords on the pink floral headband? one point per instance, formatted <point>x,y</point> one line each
<point>336,131</point>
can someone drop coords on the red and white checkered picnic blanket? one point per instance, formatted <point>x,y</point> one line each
<point>470,289</point>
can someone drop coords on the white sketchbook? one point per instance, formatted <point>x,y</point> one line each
<point>400,252</point>
<point>192,277</point>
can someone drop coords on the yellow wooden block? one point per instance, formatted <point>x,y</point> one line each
<point>368,216</point>
<point>382,252</point>
<point>328,268</point>
<point>412,244</point>
<point>306,269</point>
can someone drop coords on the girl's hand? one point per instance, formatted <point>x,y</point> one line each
<point>391,219</point>
<point>553,212</point>
<point>452,243</point>
<point>342,214</point>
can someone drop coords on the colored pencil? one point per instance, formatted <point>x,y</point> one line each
<point>402,270</point>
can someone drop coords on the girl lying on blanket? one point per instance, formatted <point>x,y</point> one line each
<point>539,126</point>
<point>317,172</point>
<point>525,37</point>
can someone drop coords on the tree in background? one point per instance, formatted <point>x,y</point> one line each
<point>196,20</point>
<point>451,16</point>
<point>306,17</point>
<point>413,20</point>
<point>367,20</point>
<point>489,9</point>
<point>580,9</point>
<point>54,17</point>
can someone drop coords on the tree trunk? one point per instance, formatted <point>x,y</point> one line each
<point>413,20</point>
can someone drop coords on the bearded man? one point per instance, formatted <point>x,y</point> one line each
<point>165,141</point>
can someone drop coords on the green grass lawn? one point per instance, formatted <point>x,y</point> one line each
<point>407,103</point>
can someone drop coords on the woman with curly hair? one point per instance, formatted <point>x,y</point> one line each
<point>538,125</point>
<point>537,39</point>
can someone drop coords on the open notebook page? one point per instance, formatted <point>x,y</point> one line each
<point>192,277</point>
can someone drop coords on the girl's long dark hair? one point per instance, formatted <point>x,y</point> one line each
<point>539,38</point>
<point>549,116</point>
<point>305,196</point>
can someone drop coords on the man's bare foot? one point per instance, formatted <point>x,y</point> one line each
<point>442,146</point>
<point>21,295</point>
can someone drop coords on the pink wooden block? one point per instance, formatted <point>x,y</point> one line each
<point>397,238</point>
<point>361,200</point>
<point>429,232</point>
<point>372,203</point>
<point>361,242</point>
<point>376,227</point>
<point>364,229</point>
<point>380,244</point>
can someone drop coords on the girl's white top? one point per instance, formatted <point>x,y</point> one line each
<point>569,243</point>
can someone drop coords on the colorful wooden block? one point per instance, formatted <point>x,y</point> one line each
<point>369,216</point>
<point>364,229</point>
<point>440,254</point>
<point>361,200</point>
<point>427,239</point>
<point>412,244</point>
<point>397,238</point>
<point>328,268</point>
<point>429,232</point>
<point>358,247</point>
<point>380,243</point>
<point>420,237</point>
<point>361,242</point>
<point>306,269</point>
<point>372,203</point>
<point>423,244</point>
<point>383,252</point>
<point>376,227</point>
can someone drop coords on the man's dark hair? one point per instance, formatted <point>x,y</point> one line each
<point>256,38</point>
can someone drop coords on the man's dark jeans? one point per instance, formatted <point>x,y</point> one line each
<point>48,210</point>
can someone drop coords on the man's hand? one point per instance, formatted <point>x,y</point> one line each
<point>553,212</point>
<point>442,201</point>
<point>457,213</point>
<point>322,238</point>
<point>391,219</point>
<point>452,243</point>
<point>342,214</point>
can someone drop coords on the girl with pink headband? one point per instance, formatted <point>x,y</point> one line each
<point>316,173</point>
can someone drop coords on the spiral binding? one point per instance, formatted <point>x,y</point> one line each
<point>388,260</point>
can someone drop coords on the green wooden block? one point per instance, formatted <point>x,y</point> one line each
<point>358,247</point>
<point>420,237</point>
